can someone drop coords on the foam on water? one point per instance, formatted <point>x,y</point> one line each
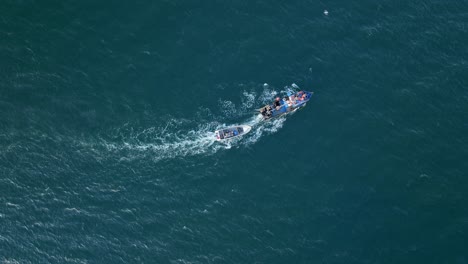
<point>183,137</point>
<point>168,141</point>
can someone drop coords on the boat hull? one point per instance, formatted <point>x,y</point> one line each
<point>232,132</point>
<point>284,109</point>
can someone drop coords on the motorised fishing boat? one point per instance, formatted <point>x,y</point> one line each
<point>232,132</point>
<point>289,104</point>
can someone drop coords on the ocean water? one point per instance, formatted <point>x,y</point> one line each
<point>107,113</point>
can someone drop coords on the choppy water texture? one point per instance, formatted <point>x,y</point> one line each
<point>107,113</point>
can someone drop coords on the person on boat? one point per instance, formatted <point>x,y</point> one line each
<point>277,103</point>
<point>287,103</point>
<point>300,96</point>
<point>266,111</point>
<point>292,99</point>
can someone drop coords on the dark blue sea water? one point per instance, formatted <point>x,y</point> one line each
<point>107,113</point>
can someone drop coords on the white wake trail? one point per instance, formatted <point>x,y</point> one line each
<point>183,137</point>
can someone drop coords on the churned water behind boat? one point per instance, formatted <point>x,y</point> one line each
<point>107,120</point>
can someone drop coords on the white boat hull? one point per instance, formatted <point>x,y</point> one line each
<point>232,132</point>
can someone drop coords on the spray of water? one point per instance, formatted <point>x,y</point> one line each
<point>182,137</point>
